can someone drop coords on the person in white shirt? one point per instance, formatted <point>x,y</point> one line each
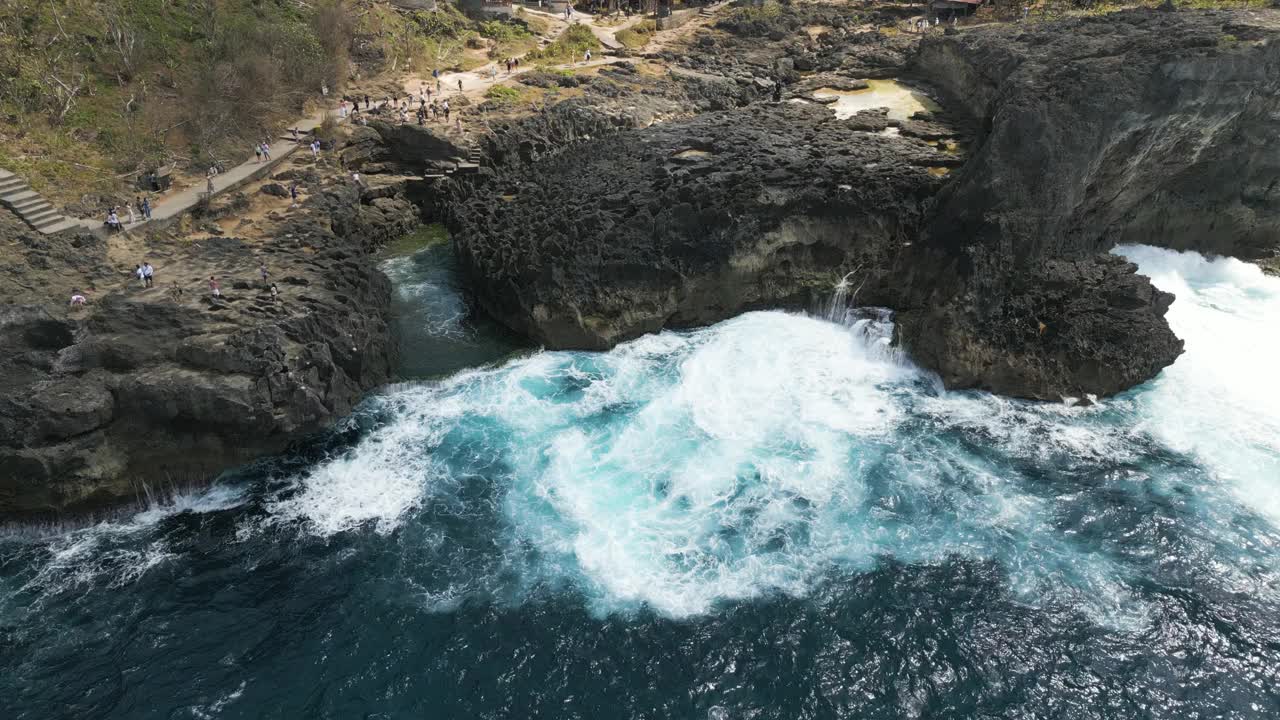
<point>148,273</point>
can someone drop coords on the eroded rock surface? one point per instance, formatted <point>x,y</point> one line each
<point>1161,128</point>
<point>689,222</point>
<point>144,387</point>
<point>1001,282</point>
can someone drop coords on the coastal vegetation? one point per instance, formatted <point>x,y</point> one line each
<point>568,47</point>
<point>97,92</point>
<point>638,35</point>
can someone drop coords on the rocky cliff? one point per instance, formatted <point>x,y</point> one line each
<point>1145,126</point>
<point>146,389</point>
<point>1136,127</point>
<point>692,221</point>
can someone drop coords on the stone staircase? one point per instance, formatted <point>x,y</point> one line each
<point>27,204</point>
<point>706,11</point>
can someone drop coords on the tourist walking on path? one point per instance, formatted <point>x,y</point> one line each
<point>257,153</point>
<point>262,270</point>
<point>113,220</point>
<point>148,275</point>
<point>140,274</point>
<point>132,218</point>
<point>446,110</point>
<point>146,208</point>
<point>266,150</point>
<point>315,150</point>
<point>459,84</point>
<point>293,196</point>
<point>214,287</point>
<point>208,187</point>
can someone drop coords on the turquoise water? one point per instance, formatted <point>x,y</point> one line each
<point>775,517</point>
<point>438,333</point>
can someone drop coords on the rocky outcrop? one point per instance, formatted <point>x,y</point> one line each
<point>145,389</point>
<point>689,222</point>
<point>1090,133</point>
<point>618,99</point>
<point>1139,127</point>
<point>804,38</point>
<point>1145,126</point>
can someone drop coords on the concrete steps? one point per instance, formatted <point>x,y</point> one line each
<point>27,204</point>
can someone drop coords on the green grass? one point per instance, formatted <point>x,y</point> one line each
<point>638,35</point>
<point>504,95</point>
<point>753,13</point>
<point>190,81</point>
<point>569,47</point>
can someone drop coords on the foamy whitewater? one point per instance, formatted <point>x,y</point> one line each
<point>767,459</point>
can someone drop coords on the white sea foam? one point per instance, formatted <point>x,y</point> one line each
<point>686,469</point>
<point>682,470</point>
<point>1221,400</point>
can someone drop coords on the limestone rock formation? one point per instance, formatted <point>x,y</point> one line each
<point>142,388</point>
<point>689,222</point>
<point>1137,127</point>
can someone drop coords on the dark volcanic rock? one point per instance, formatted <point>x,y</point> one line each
<point>1137,127</point>
<point>142,387</point>
<point>690,222</point>
<point>415,147</point>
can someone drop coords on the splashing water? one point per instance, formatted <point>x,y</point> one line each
<point>774,476</point>
<point>686,469</point>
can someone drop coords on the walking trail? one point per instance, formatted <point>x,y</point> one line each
<point>474,84</point>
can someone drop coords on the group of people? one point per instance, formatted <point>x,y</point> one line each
<point>145,274</point>
<point>115,223</point>
<point>923,24</point>
<point>262,151</point>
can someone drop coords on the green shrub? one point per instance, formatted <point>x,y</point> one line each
<point>569,47</point>
<point>755,13</point>
<point>504,94</point>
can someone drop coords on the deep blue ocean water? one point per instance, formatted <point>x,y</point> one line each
<point>775,517</point>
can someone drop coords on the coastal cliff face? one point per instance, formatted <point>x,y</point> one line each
<point>1161,128</point>
<point>1129,128</point>
<point>690,222</point>
<point>143,390</point>
<point>1138,127</point>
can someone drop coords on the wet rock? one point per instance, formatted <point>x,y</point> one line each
<point>1138,127</point>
